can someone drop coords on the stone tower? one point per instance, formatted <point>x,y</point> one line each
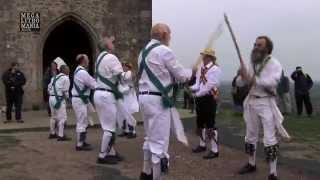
<point>66,28</point>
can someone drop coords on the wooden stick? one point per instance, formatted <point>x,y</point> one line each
<point>233,38</point>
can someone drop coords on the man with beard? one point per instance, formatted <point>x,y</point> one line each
<point>260,108</point>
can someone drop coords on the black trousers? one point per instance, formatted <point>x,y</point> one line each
<point>14,99</point>
<point>303,99</point>
<point>206,108</point>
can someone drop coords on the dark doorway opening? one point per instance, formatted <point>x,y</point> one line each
<point>67,40</point>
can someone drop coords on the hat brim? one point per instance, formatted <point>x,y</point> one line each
<point>205,54</point>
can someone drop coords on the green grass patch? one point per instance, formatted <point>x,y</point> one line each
<point>302,129</point>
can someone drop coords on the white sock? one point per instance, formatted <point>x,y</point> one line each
<point>52,126</point>
<point>61,128</point>
<point>273,167</point>
<point>112,151</point>
<point>105,144</point>
<point>156,169</point>
<point>79,143</point>
<point>252,159</point>
<point>146,162</point>
<point>203,138</point>
<point>214,144</point>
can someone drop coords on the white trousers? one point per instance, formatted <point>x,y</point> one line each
<point>157,126</point>
<point>81,112</point>
<point>260,115</point>
<point>107,110</point>
<point>58,117</point>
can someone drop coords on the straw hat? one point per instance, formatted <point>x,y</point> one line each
<point>208,51</point>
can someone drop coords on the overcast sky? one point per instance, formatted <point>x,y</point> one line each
<point>293,25</point>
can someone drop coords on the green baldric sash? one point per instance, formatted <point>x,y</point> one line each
<point>167,101</point>
<point>59,99</point>
<point>81,93</point>
<point>117,94</point>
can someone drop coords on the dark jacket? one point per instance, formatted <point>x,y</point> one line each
<point>284,85</point>
<point>13,82</point>
<point>303,82</point>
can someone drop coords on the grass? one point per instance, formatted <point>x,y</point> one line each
<point>302,129</point>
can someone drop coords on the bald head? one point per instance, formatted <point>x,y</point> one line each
<point>162,33</point>
<point>106,43</point>
<point>83,60</point>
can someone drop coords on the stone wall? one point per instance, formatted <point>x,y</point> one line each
<point>128,20</point>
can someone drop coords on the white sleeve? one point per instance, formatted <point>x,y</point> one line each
<point>175,68</point>
<point>66,86</point>
<point>89,81</point>
<point>115,66</point>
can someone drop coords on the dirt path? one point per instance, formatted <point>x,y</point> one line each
<point>34,157</point>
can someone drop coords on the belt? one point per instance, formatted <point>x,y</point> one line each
<point>80,96</point>
<point>150,93</point>
<point>58,96</point>
<point>103,89</point>
<point>259,97</point>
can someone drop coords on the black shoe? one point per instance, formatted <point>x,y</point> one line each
<point>63,138</point>
<point>124,134</point>
<point>20,121</point>
<point>107,160</point>
<point>52,136</point>
<point>144,176</point>
<point>83,148</point>
<point>199,149</point>
<point>7,121</point>
<point>272,177</point>
<point>131,135</point>
<point>119,157</point>
<point>86,144</point>
<point>248,168</point>
<point>139,123</point>
<point>211,155</point>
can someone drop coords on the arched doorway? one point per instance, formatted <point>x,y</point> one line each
<point>67,40</point>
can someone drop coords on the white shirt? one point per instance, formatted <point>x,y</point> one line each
<point>110,68</point>
<point>83,79</point>
<point>267,81</point>
<point>213,80</point>
<point>164,65</point>
<point>62,85</point>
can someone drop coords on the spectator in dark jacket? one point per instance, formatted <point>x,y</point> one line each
<point>302,84</point>
<point>14,80</point>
